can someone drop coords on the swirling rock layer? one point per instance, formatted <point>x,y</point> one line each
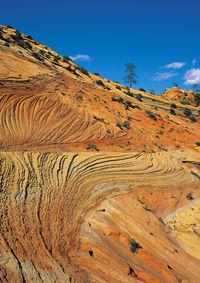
<point>57,207</point>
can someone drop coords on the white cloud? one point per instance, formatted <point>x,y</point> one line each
<point>175,65</point>
<point>80,57</point>
<point>194,61</point>
<point>192,76</point>
<point>163,76</point>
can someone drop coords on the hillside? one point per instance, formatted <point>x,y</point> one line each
<point>87,165</point>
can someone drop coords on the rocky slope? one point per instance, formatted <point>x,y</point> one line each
<point>86,166</point>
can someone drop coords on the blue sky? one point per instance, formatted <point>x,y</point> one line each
<point>152,34</point>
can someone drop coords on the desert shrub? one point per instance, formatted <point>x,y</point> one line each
<point>56,58</point>
<point>108,131</point>
<point>185,93</point>
<point>129,93</point>
<point>42,51</point>
<point>93,146</point>
<point>66,59</point>
<point>97,74</point>
<point>187,112</point>
<point>185,102</point>
<point>137,106</point>
<point>193,118</point>
<point>113,98</point>
<point>83,70</point>
<point>161,220</point>
<point>99,82</point>
<point>142,89</point>
<point>118,124</point>
<point>129,103</point>
<point>1,36</point>
<point>29,37</point>
<point>151,114</point>
<point>139,97</point>
<point>189,196</point>
<point>126,124</point>
<point>48,56</point>
<point>173,105</point>
<point>37,56</point>
<point>118,87</point>
<point>17,36</point>
<point>120,99</point>
<point>8,26</point>
<point>6,44</point>
<point>134,245</point>
<point>80,97</point>
<point>102,119</point>
<point>172,112</point>
<point>197,143</point>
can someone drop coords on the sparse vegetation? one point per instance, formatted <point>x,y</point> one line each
<point>139,97</point>
<point>66,59</point>
<point>83,70</point>
<point>193,118</point>
<point>173,105</point>
<point>187,112</point>
<point>189,196</point>
<point>185,102</point>
<point>93,146</point>
<point>134,245</point>
<point>151,114</point>
<point>37,56</point>
<point>99,82</point>
<point>172,111</point>
<point>118,124</point>
<point>126,124</point>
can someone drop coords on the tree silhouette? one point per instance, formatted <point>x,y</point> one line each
<point>131,77</point>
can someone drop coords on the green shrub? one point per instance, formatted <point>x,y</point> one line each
<point>66,59</point>
<point>126,124</point>
<point>118,124</point>
<point>120,99</point>
<point>139,97</point>
<point>173,105</point>
<point>99,82</point>
<point>42,52</point>
<point>56,58</point>
<point>29,37</point>
<point>151,114</point>
<point>17,36</point>
<point>185,102</point>
<point>37,56</point>
<point>142,89</point>
<point>83,70</point>
<point>134,245</point>
<point>187,112</point>
<point>113,98</point>
<point>189,196</point>
<point>197,143</point>
<point>172,112</point>
<point>193,118</point>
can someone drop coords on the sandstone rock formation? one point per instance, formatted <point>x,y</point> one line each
<point>87,167</point>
